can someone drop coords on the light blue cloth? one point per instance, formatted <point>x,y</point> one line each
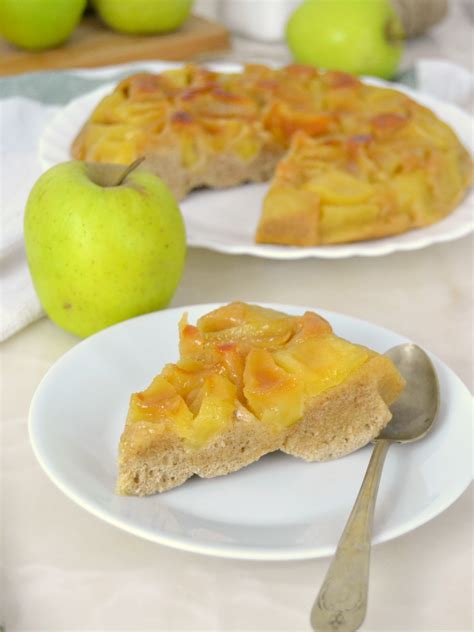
<point>59,87</point>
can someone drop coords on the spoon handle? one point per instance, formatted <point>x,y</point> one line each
<point>342,600</point>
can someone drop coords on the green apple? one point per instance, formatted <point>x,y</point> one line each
<point>138,17</point>
<point>39,24</point>
<point>363,37</point>
<point>103,244</point>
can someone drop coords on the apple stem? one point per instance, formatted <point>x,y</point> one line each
<point>393,32</point>
<point>129,170</point>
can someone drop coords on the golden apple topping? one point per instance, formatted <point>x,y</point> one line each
<point>242,355</point>
<point>402,172</point>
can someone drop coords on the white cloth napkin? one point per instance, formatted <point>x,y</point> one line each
<point>445,81</point>
<point>22,122</point>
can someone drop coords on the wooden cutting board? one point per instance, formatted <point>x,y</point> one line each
<point>92,44</point>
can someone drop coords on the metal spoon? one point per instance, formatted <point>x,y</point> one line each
<point>341,604</point>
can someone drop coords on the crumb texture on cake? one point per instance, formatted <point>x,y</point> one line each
<point>347,161</point>
<point>249,381</point>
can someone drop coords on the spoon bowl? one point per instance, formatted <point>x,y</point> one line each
<point>414,412</point>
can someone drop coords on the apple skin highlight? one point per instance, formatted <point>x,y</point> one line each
<point>97,254</point>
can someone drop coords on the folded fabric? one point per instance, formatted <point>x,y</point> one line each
<point>21,123</point>
<point>445,81</point>
<point>27,104</point>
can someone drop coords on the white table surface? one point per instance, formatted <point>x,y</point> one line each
<point>65,570</point>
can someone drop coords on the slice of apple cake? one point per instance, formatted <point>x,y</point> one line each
<point>249,381</point>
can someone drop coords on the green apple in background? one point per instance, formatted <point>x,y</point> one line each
<point>363,37</point>
<point>143,17</point>
<point>102,245</point>
<point>39,24</point>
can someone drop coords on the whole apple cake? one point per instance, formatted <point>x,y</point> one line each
<point>347,160</point>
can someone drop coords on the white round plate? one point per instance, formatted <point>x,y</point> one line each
<point>226,220</point>
<point>279,508</point>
